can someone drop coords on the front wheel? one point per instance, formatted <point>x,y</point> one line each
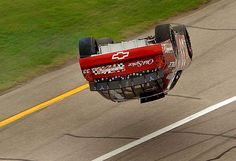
<point>183,30</point>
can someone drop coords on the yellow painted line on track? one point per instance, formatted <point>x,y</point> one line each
<point>42,105</point>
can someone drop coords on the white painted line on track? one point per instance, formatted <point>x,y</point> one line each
<point>165,129</point>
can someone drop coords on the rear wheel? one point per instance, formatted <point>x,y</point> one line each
<point>183,30</point>
<point>177,76</point>
<point>87,47</point>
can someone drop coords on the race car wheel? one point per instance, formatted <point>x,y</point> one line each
<point>176,78</point>
<point>104,41</point>
<point>165,32</point>
<point>182,30</point>
<point>87,47</point>
<point>162,33</point>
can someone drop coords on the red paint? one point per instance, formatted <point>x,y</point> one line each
<point>138,54</point>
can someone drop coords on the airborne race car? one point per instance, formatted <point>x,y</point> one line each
<point>143,68</point>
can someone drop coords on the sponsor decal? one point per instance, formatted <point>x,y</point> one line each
<point>86,71</point>
<point>141,63</point>
<point>108,69</point>
<point>120,55</point>
<point>172,65</point>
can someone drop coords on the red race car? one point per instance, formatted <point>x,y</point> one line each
<point>143,68</point>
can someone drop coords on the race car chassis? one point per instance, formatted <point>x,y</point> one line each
<point>146,85</point>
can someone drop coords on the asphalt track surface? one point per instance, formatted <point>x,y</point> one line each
<point>80,125</point>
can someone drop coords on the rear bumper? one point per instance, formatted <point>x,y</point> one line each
<point>129,81</point>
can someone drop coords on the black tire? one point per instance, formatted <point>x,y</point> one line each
<point>183,30</point>
<point>87,47</point>
<point>177,76</point>
<point>162,33</point>
<point>104,41</point>
<point>180,29</point>
<point>165,32</point>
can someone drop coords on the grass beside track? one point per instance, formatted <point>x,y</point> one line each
<point>37,35</point>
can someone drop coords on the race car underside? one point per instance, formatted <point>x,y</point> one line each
<point>146,85</point>
<point>144,69</point>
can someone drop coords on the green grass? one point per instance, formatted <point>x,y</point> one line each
<point>36,35</point>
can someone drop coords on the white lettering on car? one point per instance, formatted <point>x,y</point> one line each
<point>172,65</point>
<point>141,63</point>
